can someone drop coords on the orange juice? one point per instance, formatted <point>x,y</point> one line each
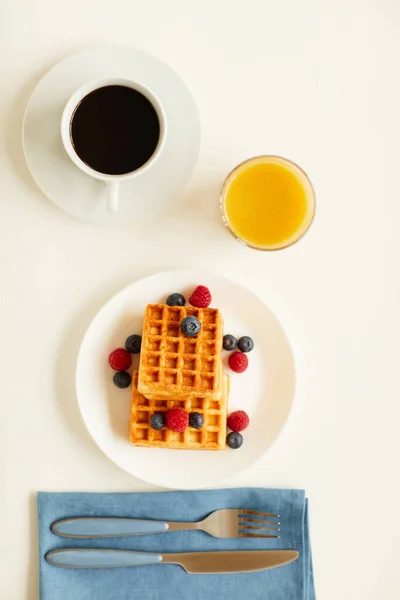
<point>268,202</point>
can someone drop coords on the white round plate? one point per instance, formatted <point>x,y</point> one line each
<point>70,188</point>
<point>265,391</point>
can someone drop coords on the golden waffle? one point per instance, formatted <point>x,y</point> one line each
<point>172,365</point>
<point>211,436</point>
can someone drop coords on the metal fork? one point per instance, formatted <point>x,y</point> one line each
<point>224,523</point>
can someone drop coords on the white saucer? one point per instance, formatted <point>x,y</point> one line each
<point>265,390</point>
<point>81,195</point>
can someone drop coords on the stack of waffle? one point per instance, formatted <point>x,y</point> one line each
<point>180,372</point>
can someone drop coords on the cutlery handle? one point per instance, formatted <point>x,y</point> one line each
<point>82,558</point>
<point>104,527</point>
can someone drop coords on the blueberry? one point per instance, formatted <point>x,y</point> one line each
<point>122,379</point>
<point>245,344</point>
<point>234,440</point>
<point>133,344</point>
<point>229,342</point>
<point>176,300</point>
<point>157,421</point>
<point>190,326</point>
<point>196,420</point>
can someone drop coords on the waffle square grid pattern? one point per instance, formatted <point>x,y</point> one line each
<point>172,365</point>
<point>211,436</point>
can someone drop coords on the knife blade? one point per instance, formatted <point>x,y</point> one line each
<point>192,562</point>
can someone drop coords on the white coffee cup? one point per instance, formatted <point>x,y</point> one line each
<point>113,182</point>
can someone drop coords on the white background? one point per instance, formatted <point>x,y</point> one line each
<point>316,81</point>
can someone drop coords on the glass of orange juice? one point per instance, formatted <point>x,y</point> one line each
<point>267,202</point>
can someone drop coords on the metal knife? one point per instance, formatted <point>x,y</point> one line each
<point>192,562</point>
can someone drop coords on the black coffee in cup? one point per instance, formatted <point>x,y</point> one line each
<point>115,130</point>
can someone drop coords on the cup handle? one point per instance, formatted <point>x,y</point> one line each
<point>112,196</point>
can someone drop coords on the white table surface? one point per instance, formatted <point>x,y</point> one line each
<point>317,81</point>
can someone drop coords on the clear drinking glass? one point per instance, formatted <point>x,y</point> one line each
<point>307,193</point>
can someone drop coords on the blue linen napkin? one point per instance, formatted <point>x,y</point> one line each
<point>168,582</point>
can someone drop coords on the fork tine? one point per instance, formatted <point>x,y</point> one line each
<point>256,512</point>
<point>257,535</point>
<point>258,528</point>
<point>259,521</point>
<point>249,526</point>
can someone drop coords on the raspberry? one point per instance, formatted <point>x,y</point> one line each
<point>201,297</point>
<point>238,420</point>
<point>120,360</point>
<point>177,419</point>
<point>238,362</point>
